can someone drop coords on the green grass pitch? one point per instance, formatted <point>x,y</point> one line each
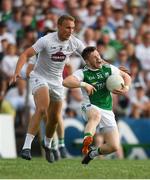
<point>39,168</point>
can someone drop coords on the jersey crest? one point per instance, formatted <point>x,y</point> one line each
<point>58,57</point>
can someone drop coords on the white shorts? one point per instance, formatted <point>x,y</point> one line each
<point>56,92</point>
<point>107,122</point>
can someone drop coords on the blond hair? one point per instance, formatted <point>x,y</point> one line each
<point>62,18</point>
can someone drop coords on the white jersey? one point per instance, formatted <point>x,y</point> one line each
<point>52,54</point>
<point>23,71</point>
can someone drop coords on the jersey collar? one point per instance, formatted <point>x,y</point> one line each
<point>92,69</point>
<point>57,38</point>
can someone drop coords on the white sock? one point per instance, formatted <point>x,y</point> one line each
<point>28,141</point>
<point>48,141</point>
<point>61,145</point>
<point>54,144</point>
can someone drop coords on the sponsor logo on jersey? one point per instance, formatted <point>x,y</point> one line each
<point>58,57</point>
<point>91,77</point>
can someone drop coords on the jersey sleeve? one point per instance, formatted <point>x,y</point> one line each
<point>80,46</point>
<point>79,74</point>
<point>114,70</point>
<point>39,45</point>
<point>32,60</point>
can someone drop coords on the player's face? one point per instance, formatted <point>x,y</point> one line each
<point>66,29</point>
<point>94,60</point>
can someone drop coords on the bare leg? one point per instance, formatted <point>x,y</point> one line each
<point>42,100</point>
<point>54,113</point>
<point>94,117</point>
<point>112,142</point>
<point>60,128</point>
<point>93,120</point>
<point>61,143</point>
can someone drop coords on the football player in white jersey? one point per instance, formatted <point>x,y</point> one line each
<point>58,144</point>
<point>46,80</point>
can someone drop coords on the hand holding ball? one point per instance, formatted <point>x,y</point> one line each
<point>114,82</point>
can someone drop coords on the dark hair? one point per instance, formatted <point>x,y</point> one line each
<point>100,42</point>
<point>87,51</point>
<point>62,18</point>
<point>29,29</point>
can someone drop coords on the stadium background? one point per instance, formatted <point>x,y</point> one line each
<point>121,31</point>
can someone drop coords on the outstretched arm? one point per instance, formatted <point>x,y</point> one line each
<point>22,60</point>
<point>72,82</point>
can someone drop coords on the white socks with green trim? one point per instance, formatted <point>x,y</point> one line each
<point>28,141</point>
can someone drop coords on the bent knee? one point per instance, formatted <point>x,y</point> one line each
<point>41,110</point>
<point>115,147</point>
<point>55,117</point>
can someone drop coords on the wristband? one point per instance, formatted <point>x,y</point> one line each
<point>82,84</point>
<point>127,87</point>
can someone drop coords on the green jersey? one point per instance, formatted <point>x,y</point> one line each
<point>101,98</point>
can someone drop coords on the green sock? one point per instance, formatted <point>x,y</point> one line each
<point>61,142</point>
<point>87,134</point>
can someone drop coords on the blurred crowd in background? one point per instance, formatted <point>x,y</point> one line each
<point>120,29</point>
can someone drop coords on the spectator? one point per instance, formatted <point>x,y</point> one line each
<point>29,38</point>
<point>117,18</point>
<point>89,37</point>
<point>145,26</point>
<point>142,51</point>
<point>108,52</point>
<point>82,11</point>
<point>10,60</point>
<point>4,44</point>
<point>6,10</point>
<point>130,48</point>
<point>134,9</point>
<point>140,104</point>
<point>26,21</point>
<point>90,18</point>
<point>130,31</point>
<point>5,35</point>
<point>136,75</point>
<point>14,24</point>
<point>118,43</point>
<point>103,25</point>
<point>122,59</point>
<point>79,28</point>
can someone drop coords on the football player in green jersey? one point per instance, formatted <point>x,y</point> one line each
<point>97,102</point>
